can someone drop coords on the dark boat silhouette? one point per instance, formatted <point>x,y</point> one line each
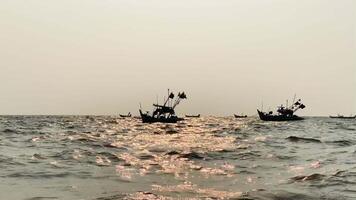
<point>283,113</point>
<point>164,113</point>
<point>124,116</point>
<point>193,116</point>
<point>343,117</point>
<point>240,116</point>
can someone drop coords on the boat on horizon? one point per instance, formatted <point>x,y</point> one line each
<point>240,116</point>
<point>193,116</point>
<point>124,116</point>
<point>283,113</point>
<point>164,113</point>
<point>343,117</point>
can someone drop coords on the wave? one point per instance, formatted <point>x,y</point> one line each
<point>41,198</point>
<point>302,139</point>
<point>342,143</point>
<point>38,175</point>
<point>312,177</point>
<point>191,155</point>
<point>8,130</point>
<point>284,195</point>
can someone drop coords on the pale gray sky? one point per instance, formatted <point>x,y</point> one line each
<point>106,56</point>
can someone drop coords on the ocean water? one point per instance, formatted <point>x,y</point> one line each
<point>107,158</point>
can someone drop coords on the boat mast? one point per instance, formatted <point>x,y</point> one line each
<point>287,104</point>
<point>166,101</point>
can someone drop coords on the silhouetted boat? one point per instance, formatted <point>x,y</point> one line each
<point>124,116</point>
<point>283,113</point>
<point>240,116</point>
<point>343,117</point>
<point>193,116</point>
<point>164,113</point>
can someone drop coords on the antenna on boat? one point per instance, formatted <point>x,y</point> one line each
<point>166,100</point>
<point>287,103</point>
<point>140,106</point>
<point>262,106</point>
<point>168,96</point>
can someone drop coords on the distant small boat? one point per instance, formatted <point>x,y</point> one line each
<point>343,117</point>
<point>240,116</point>
<point>124,116</point>
<point>283,113</point>
<point>193,116</point>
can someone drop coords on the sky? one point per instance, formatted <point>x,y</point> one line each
<point>104,57</point>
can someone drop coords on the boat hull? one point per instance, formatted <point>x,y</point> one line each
<point>341,117</point>
<point>240,116</point>
<point>192,116</point>
<point>265,117</point>
<point>149,119</point>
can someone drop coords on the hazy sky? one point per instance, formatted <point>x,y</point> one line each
<point>106,56</point>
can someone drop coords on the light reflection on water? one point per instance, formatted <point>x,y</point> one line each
<point>101,157</point>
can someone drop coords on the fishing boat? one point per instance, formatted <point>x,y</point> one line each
<point>284,113</point>
<point>240,116</point>
<point>124,116</point>
<point>343,117</point>
<point>193,116</point>
<point>164,113</point>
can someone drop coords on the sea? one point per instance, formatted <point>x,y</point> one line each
<point>109,158</point>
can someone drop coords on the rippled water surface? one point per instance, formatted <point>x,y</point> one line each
<point>103,158</point>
